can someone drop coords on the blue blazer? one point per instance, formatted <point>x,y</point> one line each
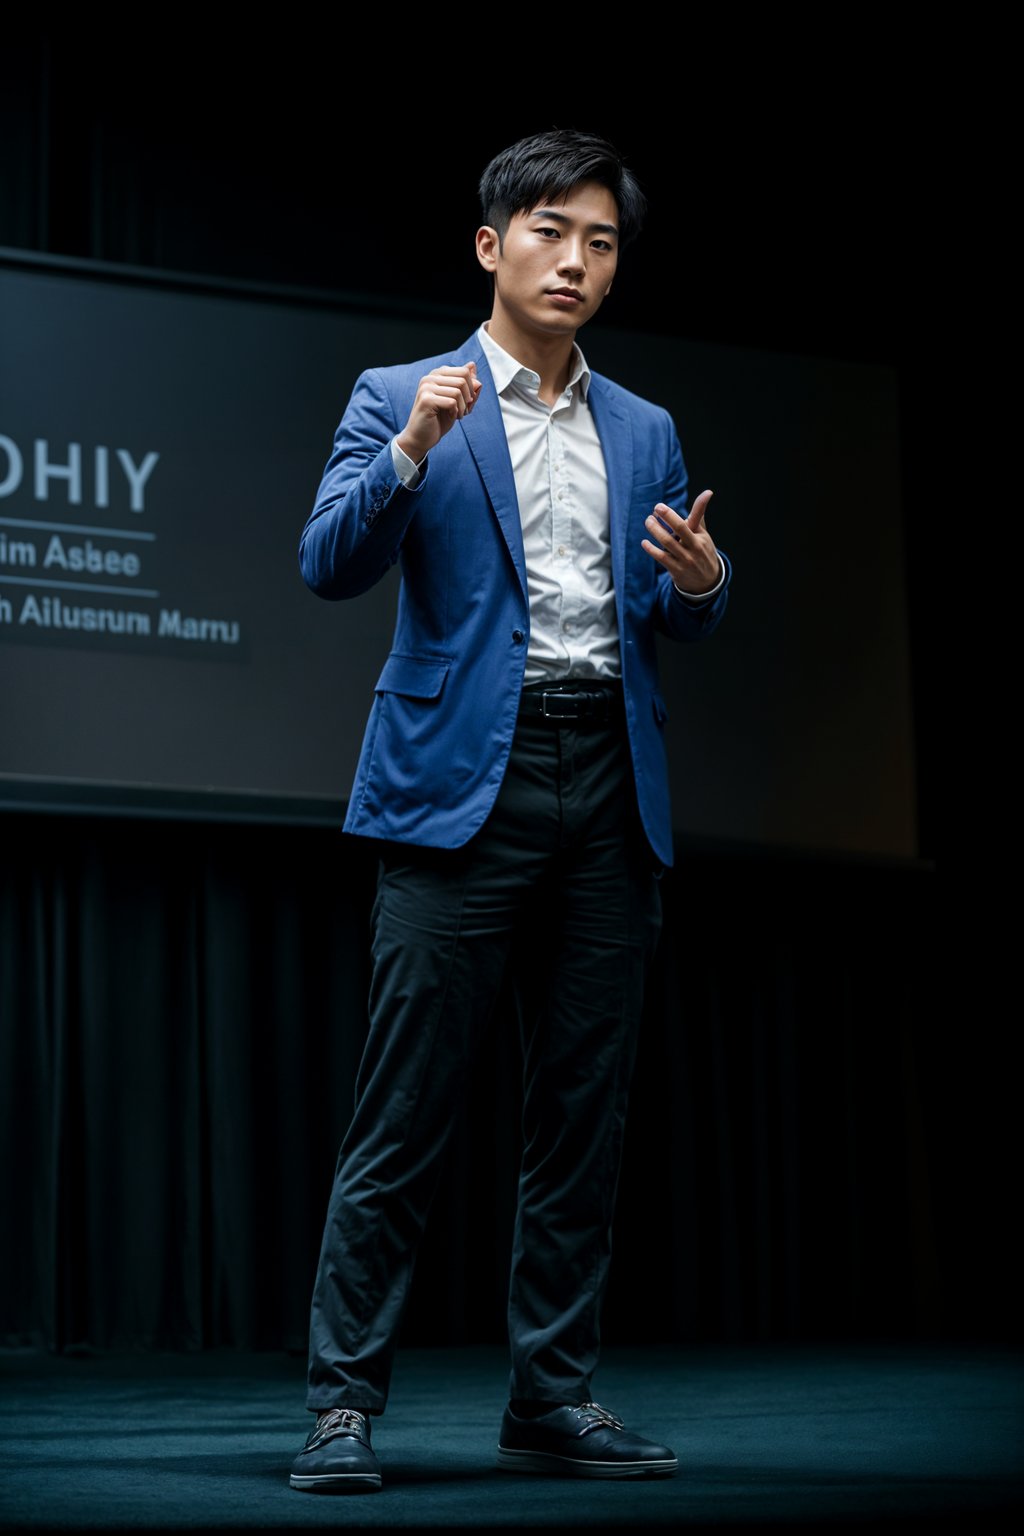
<point>439,733</point>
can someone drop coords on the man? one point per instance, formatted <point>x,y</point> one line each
<point>514,772</point>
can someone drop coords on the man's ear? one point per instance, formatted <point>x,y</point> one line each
<point>488,247</point>
<point>608,290</point>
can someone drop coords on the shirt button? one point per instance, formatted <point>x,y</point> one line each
<point>518,636</point>
<point>561,550</point>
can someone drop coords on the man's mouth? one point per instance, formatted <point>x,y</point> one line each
<point>572,294</point>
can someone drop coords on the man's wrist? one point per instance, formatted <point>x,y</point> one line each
<point>406,468</point>
<point>705,597</point>
<point>413,450</point>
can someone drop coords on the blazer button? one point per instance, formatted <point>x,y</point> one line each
<point>518,636</point>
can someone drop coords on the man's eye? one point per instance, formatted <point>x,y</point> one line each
<point>545,231</point>
<point>601,245</point>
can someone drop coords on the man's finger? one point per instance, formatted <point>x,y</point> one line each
<point>697,511</point>
<point>660,528</point>
<point>443,393</point>
<point>470,386</point>
<point>463,378</point>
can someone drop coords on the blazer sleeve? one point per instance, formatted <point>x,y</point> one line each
<point>354,533</point>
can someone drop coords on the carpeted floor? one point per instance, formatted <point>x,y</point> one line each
<point>814,1438</point>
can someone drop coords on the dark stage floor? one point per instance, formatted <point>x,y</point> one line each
<point>813,1438</point>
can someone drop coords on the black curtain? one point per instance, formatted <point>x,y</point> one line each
<point>813,1149</point>
<point>822,1135</point>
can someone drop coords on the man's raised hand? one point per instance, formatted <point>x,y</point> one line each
<point>443,396</point>
<point>684,546</point>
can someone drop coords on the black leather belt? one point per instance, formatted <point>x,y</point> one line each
<point>568,706</point>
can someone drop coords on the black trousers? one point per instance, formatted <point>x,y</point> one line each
<point>561,885</point>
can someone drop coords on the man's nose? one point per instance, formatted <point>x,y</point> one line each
<point>571,257</point>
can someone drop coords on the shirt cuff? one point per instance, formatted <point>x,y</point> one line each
<point>405,469</point>
<point>704,597</point>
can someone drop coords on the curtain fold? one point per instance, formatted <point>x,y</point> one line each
<point>182,1009</point>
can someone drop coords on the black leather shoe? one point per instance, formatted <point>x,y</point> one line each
<point>587,1441</point>
<point>337,1457</point>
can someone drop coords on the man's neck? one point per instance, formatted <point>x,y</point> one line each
<point>549,356</point>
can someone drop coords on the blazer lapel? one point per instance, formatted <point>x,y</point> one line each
<point>616,434</point>
<point>485,434</point>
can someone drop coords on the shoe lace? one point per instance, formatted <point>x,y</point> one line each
<point>595,1416</point>
<point>340,1421</point>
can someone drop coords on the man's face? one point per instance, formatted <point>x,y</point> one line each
<point>555,264</point>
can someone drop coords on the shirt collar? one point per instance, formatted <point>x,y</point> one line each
<point>505,370</point>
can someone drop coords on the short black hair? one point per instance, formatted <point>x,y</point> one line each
<point>547,166</point>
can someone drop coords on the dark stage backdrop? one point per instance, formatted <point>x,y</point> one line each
<point>816,1149</point>
<point>821,1141</point>
<point>160,449</point>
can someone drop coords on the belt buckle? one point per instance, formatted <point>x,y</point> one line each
<point>557,714</point>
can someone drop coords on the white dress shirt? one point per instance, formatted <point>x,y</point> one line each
<point>562,490</point>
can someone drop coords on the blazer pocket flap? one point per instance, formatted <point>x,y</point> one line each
<point>648,490</point>
<point>660,712</point>
<point>418,677</point>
